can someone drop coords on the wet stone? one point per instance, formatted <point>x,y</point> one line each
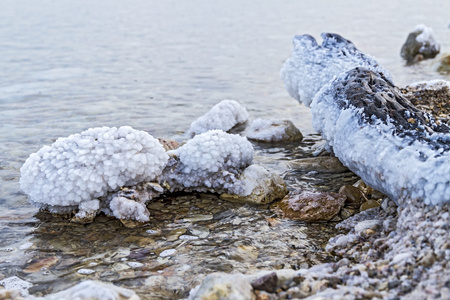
<point>266,283</point>
<point>310,206</point>
<point>369,204</point>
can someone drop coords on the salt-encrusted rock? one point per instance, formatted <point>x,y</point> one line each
<point>259,186</point>
<point>311,65</point>
<point>210,162</point>
<point>378,134</point>
<point>224,115</point>
<point>94,290</point>
<point>77,171</point>
<point>273,131</point>
<point>219,162</point>
<point>420,45</point>
<point>310,206</point>
<point>223,286</point>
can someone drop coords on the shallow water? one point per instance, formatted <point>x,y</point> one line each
<point>157,66</point>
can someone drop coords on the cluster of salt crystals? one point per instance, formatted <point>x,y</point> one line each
<point>224,115</point>
<point>311,66</point>
<point>211,161</point>
<point>86,166</point>
<point>401,171</point>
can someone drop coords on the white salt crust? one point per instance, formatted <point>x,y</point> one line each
<point>86,166</point>
<point>398,169</point>
<point>311,65</point>
<point>224,115</point>
<point>211,161</point>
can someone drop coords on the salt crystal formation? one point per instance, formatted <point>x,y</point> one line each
<point>79,170</point>
<point>311,65</point>
<point>210,162</point>
<point>224,115</point>
<point>378,134</point>
<point>420,45</point>
<point>273,131</point>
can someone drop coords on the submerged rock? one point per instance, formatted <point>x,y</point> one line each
<point>378,134</point>
<point>224,116</point>
<point>94,290</point>
<point>311,66</point>
<point>310,206</point>
<point>420,45</point>
<point>273,131</point>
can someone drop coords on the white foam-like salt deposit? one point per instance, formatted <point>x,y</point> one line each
<point>311,65</point>
<point>211,161</point>
<point>426,37</point>
<point>224,115</point>
<point>273,131</point>
<point>86,166</point>
<point>398,169</point>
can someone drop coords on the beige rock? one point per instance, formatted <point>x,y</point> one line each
<point>310,206</point>
<point>260,187</point>
<point>273,131</point>
<point>369,204</point>
<point>94,290</point>
<point>222,286</point>
<point>353,194</point>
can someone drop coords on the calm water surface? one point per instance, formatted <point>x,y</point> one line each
<point>66,66</point>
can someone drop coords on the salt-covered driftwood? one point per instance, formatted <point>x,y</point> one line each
<point>377,133</point>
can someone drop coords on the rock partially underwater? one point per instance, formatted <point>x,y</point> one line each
<point>117,171</point>
<point>378,134</point>
<point>78,171</point>
<point>420,45</point>
<point>219,162</point>
<point>311,65</point>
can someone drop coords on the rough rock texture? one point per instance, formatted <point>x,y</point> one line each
<point>420,45</point>
<point>83,167</point>
<point>311,65</point>
<point>259,186</point>
<point>310,206</point>
<point>222,286</point>
<point>224,115</point>
<point>432,97</point>
<point>378,134</point>
<point>442,63</point>
<point>273,131</point>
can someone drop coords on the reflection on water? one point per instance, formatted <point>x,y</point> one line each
<point>157,66</point>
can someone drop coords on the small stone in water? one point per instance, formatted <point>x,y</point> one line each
<point>152,231</point>
<point>369,204</point>
<point>135,264</point>
<point>85,271</point>
<point>186,237</point>
<point>167,252</point>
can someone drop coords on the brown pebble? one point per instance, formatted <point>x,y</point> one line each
<point>369,204</point>
<point>370,232</point>
<point>266,283</point>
